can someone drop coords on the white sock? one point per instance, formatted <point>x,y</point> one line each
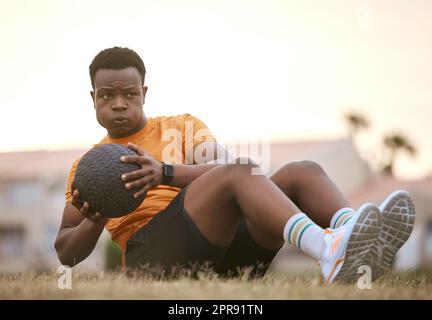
<point>304,234</point>
<point>341,217</point>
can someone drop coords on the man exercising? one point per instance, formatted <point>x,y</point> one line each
<point>223,214</point>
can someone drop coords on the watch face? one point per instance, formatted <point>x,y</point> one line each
<point>168,170</point>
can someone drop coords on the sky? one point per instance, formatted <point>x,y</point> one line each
<point>284,70</point>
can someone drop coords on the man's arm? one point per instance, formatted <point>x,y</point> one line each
<point>79,232</point>
<point>184,174</point>
<point>211,155</point>
<point>150,175</point>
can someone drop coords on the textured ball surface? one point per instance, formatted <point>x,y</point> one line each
<point>98,180</point>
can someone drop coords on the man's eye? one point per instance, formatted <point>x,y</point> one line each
<point>106,96</point>
<point>130,94</point>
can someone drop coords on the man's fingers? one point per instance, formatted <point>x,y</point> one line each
<point>134,175</point>
<point>85,209</point>
<point>75,197</point>
<point>139,182</point>
<point>96,217</point>
<point>135,159</point>
<point>136,148</point>
<point>76,202</point>
<point>143,190</point>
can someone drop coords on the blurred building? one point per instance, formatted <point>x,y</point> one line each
<point>32,186</point>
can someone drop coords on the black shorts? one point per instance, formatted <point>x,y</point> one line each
<point>171,241</point>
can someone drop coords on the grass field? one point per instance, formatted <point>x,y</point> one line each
<point>410,285</point>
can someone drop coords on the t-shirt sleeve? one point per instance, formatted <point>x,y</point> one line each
<point>68,193</point>
<point>195,131</point>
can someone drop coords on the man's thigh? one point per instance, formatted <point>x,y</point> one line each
<point>211,204</point>
<point>170,240</point>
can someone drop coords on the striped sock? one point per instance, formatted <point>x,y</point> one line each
<point>341,217</point>
<point>304,234</point>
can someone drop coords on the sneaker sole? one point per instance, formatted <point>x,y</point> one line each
<point>364,236</point>
<point>398,215</point>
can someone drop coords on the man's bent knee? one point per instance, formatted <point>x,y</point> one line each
<point>303,167</point>
<point>311,167</point>
<point>242,166</point>
<point>237,169</point>
<point>244,161</point>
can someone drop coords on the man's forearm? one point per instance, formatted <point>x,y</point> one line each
<point>75,244</point>
<point>185,174</point>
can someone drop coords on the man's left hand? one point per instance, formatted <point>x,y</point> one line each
<point>149,176</point>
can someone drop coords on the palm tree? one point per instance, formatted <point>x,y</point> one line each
<point>356,122</point>
<point>395,143</point>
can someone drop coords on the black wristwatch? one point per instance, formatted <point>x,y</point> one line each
<point>168,173</point>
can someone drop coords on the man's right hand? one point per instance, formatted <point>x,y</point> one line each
<point>84,209</point>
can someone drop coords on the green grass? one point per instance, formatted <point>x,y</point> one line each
<point>115,285</point>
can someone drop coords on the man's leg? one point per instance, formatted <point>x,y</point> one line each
<point>217,200</point>
<point>213,201</point>
<point>309,187</point>
<point>303,182</point>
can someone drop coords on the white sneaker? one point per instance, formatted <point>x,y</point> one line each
<point>348,247</point>
<point>398,215</point>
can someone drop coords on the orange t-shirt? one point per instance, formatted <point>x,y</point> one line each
<point>162,137</point>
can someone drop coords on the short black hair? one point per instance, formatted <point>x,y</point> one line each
<point>116,58</point>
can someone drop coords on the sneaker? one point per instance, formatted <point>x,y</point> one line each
<point>348,247</point>
<point>398,215</point>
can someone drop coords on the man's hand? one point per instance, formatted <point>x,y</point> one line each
<point>149,176</point>
<point>84,209</point>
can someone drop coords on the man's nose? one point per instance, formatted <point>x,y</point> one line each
<point>119,103</point>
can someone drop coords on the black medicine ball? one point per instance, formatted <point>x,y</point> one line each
<point>98,180</point>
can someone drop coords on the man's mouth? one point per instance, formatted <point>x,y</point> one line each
<point>120,121</point>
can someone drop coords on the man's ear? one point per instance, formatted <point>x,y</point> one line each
<point>93,98</point>
<point>144,88</point>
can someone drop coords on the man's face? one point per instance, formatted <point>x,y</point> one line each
<point>118,99</point>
